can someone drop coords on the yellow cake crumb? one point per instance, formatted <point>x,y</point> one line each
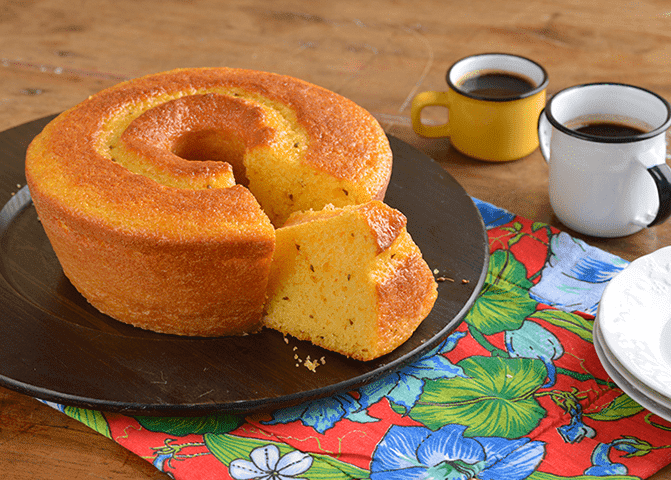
<point>349,279</point>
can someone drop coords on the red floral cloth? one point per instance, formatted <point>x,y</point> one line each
<point>517,391</point>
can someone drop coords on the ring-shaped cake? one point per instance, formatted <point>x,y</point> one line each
<point>161,195</point>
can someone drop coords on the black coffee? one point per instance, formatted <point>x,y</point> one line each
<point>497,85</point>
<point>610,129</point>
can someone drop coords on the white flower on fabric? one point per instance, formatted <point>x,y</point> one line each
<point>266,464</point>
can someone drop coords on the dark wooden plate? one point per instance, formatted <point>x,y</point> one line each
<point>55,346</point>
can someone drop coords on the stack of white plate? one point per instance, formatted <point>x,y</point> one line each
<point>632,331</point>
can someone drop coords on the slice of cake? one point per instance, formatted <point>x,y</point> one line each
<point>349,279</point>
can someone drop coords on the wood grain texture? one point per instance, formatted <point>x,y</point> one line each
<point>380,53</point>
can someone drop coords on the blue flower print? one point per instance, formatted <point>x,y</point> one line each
<point>491,215</point>
<point>576,430</point>
<point>575,275</point>
<point>403,388</point>
<point>162,461</point>
<point>414,453</point>
<point>406,386</point>
<point>57,406</point>
<point>534,341</point>
<point>602,466</point>
<point>266,464</point>
<point>322,414</point>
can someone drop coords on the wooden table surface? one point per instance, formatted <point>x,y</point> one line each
<point>379,53</point>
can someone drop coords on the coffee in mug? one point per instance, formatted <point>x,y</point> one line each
<point>609,126</point>
<point>606,148</point>
<point>493,102</point>
<point>495,84</point>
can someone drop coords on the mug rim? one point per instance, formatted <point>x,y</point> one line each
<point>540,87</point>
<point>602,139</point>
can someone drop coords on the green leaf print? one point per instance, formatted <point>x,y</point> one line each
<point>621,407</point>
<point>504,302</point>
<point>91,418</point>
<point>516,239</point>
<point>227,448</point>
<point>182,426</point>
<point>538,226</point>
<point>568,321</point>
<point>497,400</point>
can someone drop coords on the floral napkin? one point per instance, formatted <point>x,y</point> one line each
<point>516,392</point>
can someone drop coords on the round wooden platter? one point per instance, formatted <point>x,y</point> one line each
<point>55,346</point>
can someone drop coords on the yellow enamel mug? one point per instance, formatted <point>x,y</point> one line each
<point>494,101</point>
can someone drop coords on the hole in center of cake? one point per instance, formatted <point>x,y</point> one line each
<point>214,145</point>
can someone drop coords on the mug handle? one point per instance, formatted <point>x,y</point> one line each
<point>426,99</point>
<point>544,135</point>
<point>661,174</point>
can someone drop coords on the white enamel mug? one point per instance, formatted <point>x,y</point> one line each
<point>607,186</point>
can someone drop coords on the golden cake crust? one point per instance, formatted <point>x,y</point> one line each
<point>170,243</point>
<point>349,279</point>
<point>345,141</point>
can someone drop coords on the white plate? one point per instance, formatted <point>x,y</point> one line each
<point>635,319</point>
<point>627,387</point>
<point>626,374</point>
